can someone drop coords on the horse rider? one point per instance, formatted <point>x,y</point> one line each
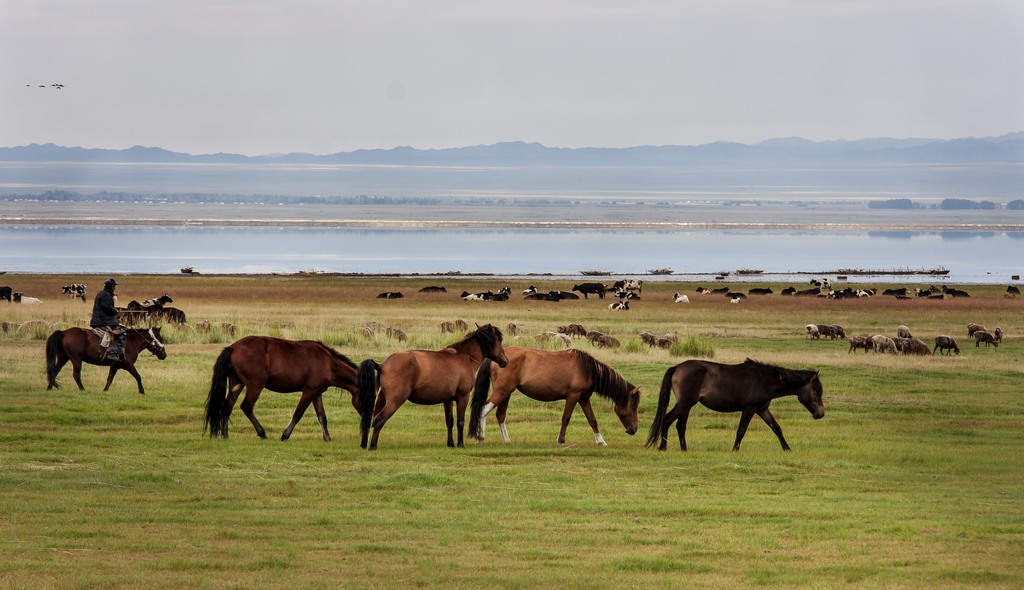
<point>104,317</point>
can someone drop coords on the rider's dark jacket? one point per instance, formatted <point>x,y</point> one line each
<point>103,311</point>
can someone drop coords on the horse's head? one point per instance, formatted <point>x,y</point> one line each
<point>810,396</point>
<point>628,411</point>
<point>154,344</point>
<point>490,339</point>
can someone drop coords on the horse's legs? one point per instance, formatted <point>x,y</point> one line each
<point>499,415</point>
<point>76,372</point>
<point>235,387</point>
<point>770,421</point>
<point>62,359</point>
<point>460,415</point>
<point>387,408</point>
<point>251,395</point>
<point>683,418</point>
<point>449,421</point>
<point>110,376</point>
<point>570,405</point>
<point>308,396</point>
<point>748,413</point>
<point>589,412</point>
<point>321,416</point>
<point>670,417</point>
<point>131,371</point>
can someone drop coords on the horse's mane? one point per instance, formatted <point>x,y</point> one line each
<point>486,336</point>
<point>788,377</point>
<point>607,382</point>
<point>338,355</point>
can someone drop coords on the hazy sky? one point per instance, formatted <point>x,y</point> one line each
<point>267,76</point>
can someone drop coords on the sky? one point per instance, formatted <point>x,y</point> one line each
<point>265,76</point>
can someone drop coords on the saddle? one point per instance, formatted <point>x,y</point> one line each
<point>106,336</point>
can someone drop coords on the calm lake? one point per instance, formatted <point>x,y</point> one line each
<point>971,257</point>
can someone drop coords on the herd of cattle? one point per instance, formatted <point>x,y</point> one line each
<point>904,342</point>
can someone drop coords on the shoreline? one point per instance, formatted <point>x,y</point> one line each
<point>471,224</point>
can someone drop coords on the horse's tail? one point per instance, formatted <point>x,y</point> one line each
<point>54,346</point>
<point>217,410</point>
<point>480,390</point>
<point>659,415</point>
<point>367,379</point>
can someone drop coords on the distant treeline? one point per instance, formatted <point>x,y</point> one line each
<point>946,204</point>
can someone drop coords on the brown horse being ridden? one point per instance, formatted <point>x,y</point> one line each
<point>548,376</point>
<point>79,345</point>
<point>255,363</point>
<point>748,387</point>
<point>427,377</point>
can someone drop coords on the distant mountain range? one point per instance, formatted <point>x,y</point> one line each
<point>1007,148</point>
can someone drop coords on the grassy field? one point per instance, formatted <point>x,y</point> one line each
<point>912,480</point>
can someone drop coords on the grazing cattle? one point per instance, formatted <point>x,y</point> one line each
<point>735,300</point>
<point>1012,290</point>
<point>623,294</point>
<point>5,293</point>
<point>985,337</point>
<point>808,292</point>
<point>678,298</point>
<point>955,292</point>
<point>917,346</point>
<point>620,306</point>
<point>433,289</point>
<point>564,339</point>
<point>629,285</point>
<point>903,331</point>
<point>923,292</point>
<point>759,291</point>
<point>703,291</point>
<point>591,289</point>
<point>937,296</point>
<point>824,283</point>
<point>390,295</point>
<point>604,341</point>
<point>895,292</point>
<point>75,291</point>
<point>20,298</point>
<point>999,334</point>
<point>789,291</point>
<point>945,343</point>
<point>734,295</point>
<point>859,342</point>
<point>880,344</point>
<point>972,328</point>
<point>720,291</point>
<point>864,294</point>
<point>501,295</point>
<point>1009,296</point>
<point>812,331</point>
<point>529,291</point>
<point>512,329</point>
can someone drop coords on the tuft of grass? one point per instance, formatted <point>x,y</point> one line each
<point>693,346</point>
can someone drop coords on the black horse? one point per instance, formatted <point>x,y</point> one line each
<point>748,387</point>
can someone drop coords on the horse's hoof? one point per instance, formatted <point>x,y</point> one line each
<point>602,444</point>
<point>284,438</point>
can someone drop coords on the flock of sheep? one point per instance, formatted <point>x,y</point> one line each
<point>904,342</point>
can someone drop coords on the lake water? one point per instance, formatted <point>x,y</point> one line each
<point>971,257</point>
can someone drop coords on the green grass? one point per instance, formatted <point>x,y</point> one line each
<point>911,480</point>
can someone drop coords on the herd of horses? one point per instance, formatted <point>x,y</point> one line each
<point>476,372</point>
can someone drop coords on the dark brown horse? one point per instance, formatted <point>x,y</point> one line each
<point>548,376</point>
<point>427,377</point>
<point>78,345</point>
<point>748,387</point>
<point>255,363</point>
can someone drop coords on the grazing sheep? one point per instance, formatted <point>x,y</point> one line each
<point>607,342</point>
<point>573,330</point>
<point>972,328</point>
<point>836,331</point>
<point>545,336</point>
<point>512,329</point>
<point>903,331</point>
<point>812,331</point>
<point>882,344</point>
<point>985,337</point>
<point>447,327</point>
<point>999,334</point>
<point>859,342</point>
<point>564,339</point>
<point>593,335</point>
<point>946,343</point>
<point>461,325</point>
<point>396,334</point>
<point>917,346</point>
<point>664,343</point>
<point>648,338</point>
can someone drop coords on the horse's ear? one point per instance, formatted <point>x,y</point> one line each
<point>477,325</point>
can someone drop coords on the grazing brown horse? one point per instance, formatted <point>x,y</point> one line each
<point>748,387</point>
<point>427,377</point>
<point>79,345</point>
<point>255,363</point>
<point>547,376</point>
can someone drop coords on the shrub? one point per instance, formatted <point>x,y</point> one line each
<point>693,346</point>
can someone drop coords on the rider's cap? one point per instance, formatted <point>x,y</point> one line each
<point>109,283</point>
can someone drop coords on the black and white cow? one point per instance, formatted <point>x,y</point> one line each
<point>75,291</point>
<point>5,293</point>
